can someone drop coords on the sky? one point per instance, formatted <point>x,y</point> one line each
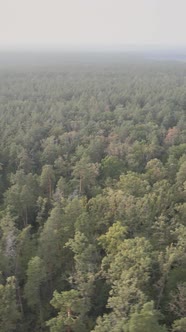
<point>56,23</point>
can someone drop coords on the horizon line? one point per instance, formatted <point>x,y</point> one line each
<point>92,47</point>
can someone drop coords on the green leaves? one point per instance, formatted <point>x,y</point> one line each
<point>9,311</point>
<point>21,196</point>
<point>71,308</point>
<point>47,180</point>
<point>86,173</point>
<point>36,276</point>
<point>127,268</point>
<point>179,325</point>
<point>145,320</point>
<point>92,201</point>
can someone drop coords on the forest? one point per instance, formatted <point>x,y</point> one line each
<point>93,195</point>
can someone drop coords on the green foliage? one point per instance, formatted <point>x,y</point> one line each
<point>9,310</point>
<point>21,197</point>
<point>93,196</point>
<point>133,184</point>
<point>71,308</point>
<point>111,167</point>
<point>47,180</point>
<point>86,174</point>
<point>145,320</point>
<point>179,325</point>
<point>113,238</point>
<point>36,275</point>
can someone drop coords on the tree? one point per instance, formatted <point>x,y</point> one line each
<point>112,167</point>
<point>179,325</point>
<point>51,149</point>
<point>86,173</point>
<point>86,266</point>
<point>36,277</point>
<point>21,197</point>
<point>178,301</point>
<point>181,175</point>
<point>145,320</point>
<point>69,318</point>
<point>154,171</point>
<point>9,311</point>
<point>127,271</point>
<point>52,241</point>
<point>133,184</point>
<point>8,245</point>
<point>109,322</point>
<point>47,180</point>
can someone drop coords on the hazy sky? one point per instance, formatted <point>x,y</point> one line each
<point>90,22</point>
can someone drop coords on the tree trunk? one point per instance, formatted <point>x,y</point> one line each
<point>80,185</point>
<point>69,313</point>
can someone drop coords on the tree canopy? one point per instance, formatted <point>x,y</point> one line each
<point>93,196</point>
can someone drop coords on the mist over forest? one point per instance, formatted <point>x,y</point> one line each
<point>47,55</point>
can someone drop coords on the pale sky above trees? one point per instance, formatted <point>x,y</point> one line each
<point>92,22</point>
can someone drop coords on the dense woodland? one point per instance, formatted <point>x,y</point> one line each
<point>93,196</point>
